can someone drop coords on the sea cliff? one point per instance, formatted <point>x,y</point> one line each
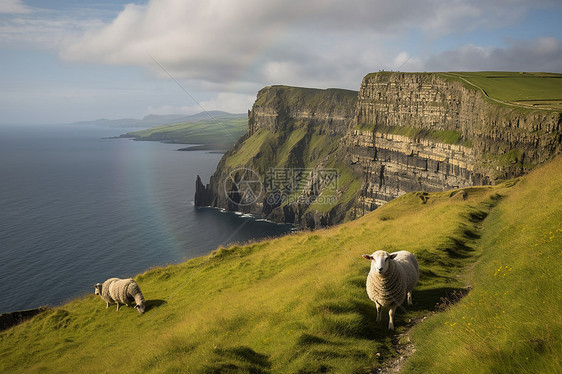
<point>324,156</point>
<point>292,142</point>
<point>427,132</point>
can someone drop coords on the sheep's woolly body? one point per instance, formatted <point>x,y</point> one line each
<point>121,291</point>
<point>104,294</point>
<point>391,287</point>
<point>127,291</point>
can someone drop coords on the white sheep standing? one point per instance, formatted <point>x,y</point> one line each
<point>121,291</point>
<point>392,277</point>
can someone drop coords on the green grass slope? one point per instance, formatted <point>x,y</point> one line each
<point>298,303</point>
<point>510,321</point>
<point>219,133</point>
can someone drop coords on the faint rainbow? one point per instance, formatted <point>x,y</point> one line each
<point>136,182</point>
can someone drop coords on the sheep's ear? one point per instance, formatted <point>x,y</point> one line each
<point>393,255</point>
<point>368,257</point>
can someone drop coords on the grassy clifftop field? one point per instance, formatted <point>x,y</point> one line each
<point>298,303</point>
<point>526,90</point>
<point>218,132</point>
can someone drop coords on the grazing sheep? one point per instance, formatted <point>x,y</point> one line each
<point>121,291</point>
<point>126,291</point>
<point>392,277</point>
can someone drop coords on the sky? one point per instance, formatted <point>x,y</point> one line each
<point>63,61</point>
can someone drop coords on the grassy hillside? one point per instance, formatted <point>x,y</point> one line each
<point>510,321</point>
<point>298,303</point>
<point>219,133</point>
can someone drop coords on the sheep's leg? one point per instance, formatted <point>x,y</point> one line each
<point>107,306</point>
<point>117,305</point>
<point>410,298</point>
<point>391,317</point>
<point>378,306</point>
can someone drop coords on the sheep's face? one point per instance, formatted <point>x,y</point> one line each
<point>140,308</point>
<point>379,261</point>
<point>97,290</point>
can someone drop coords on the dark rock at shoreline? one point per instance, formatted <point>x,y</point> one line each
<point>8,320</point>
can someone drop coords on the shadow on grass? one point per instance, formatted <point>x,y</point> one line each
<point>431,299</point>
<point>425,301</point>
<point>341,320</point>
<point>355,316</point>
<point>150,304</point>
<point>238,359</point>
<point>345,316</point>
<point>456,248</point>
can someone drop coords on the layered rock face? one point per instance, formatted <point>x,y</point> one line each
<point>402,132</point>
<point>423,132</point>
<point>393,165</point>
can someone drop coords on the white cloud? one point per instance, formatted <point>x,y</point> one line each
<point>224,51</point>
<point>542,54</point>
<point>325,43</point>
<point>405,62</point>
<point>13,6</point>
<point>45,29</point>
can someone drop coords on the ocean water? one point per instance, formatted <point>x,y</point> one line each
<point>76,209</point>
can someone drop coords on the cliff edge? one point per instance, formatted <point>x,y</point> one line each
<point>318,157</point>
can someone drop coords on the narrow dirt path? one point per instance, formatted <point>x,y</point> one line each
<point>402,343</point>
<point>403,347</point>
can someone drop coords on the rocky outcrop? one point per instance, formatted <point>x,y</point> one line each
<point>401,132</point>
<point>203,196</point>
<point>11,319</point>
